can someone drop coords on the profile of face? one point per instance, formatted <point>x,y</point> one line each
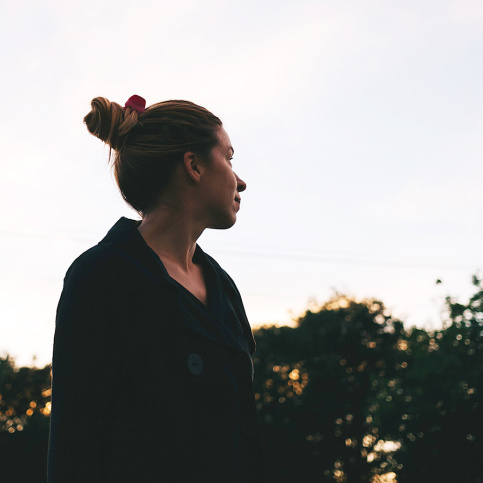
<point>221,187</point>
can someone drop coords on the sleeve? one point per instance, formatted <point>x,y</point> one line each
<point>84,372</point>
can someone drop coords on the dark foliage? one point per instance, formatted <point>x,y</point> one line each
<point>349,395</point>
<point>24,422</point>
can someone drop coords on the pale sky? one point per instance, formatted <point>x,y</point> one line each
<point>357,126</point>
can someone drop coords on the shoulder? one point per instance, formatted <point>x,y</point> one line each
<point>95,264</point>
<point>94,279</point>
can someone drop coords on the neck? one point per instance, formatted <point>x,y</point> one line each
<point>172,235</point>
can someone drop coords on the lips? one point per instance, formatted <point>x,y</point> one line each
<point>237,199</point>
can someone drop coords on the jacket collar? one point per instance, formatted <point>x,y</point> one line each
<point>122,230</point>
<point>126,236</point>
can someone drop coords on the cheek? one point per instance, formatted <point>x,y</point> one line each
<point>227,182</point>
<point>233,181</point>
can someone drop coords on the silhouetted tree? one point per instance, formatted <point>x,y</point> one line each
<point>349,394</point>
<point>24,422</point>
<point>315,390</point>
<point>437,409</point>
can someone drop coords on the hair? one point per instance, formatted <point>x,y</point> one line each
<point>149,145</point>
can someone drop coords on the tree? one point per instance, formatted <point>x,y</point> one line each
<point>349,395</point>
<point>24,422</point>
<point>315,389</point>
<point>437,411</point>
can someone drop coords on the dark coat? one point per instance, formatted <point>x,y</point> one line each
<point>142,391</point>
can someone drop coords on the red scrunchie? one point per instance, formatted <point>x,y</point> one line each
<point>137,103</point>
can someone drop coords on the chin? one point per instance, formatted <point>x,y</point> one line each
<point>223,224</point>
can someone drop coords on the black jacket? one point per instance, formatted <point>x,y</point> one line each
<point>142,390</point>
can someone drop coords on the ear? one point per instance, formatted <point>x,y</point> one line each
<point>192,165</point>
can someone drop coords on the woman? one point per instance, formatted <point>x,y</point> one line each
<point>152,374</point>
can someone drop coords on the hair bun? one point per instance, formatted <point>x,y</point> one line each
<point>110,122</point>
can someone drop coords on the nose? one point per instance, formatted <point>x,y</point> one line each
<point>240,184</point>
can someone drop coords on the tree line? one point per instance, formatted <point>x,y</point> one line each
<point>348,395</point>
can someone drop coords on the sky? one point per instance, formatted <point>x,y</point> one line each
<point>357,126</point>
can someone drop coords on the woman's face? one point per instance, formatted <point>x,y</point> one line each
<point>221,186</point>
